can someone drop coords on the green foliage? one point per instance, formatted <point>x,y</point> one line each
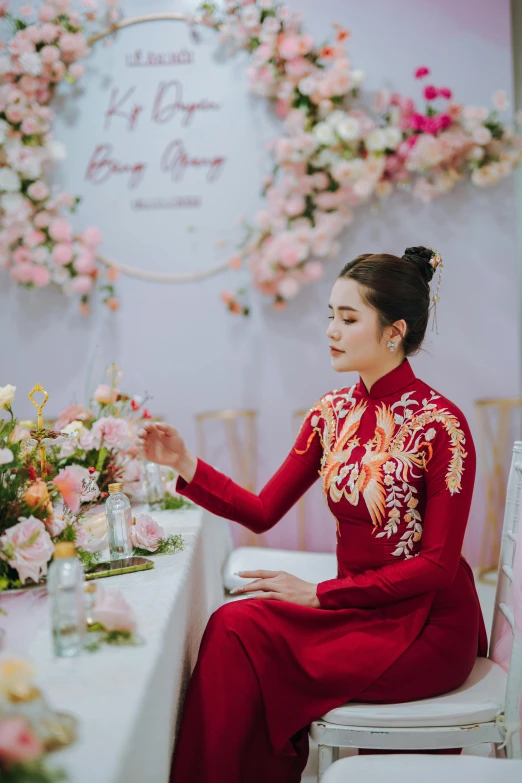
<point>98,636</point>
<point>167,546</point>
<point>31,772</point>
<point>171,503</point>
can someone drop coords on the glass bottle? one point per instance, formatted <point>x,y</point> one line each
<point>65,587</point>
<point>119,522</point>
<point>153,484</point>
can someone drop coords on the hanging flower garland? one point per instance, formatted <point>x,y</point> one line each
<point>37,242</point>
<point>334,153</point>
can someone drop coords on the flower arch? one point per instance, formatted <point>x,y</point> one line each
<point>336,151</point>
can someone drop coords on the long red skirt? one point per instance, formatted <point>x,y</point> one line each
<point>251,655</point>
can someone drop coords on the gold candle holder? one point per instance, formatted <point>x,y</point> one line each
<point>40,425</point>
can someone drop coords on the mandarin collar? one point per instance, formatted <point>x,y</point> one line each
<point>399,378</point>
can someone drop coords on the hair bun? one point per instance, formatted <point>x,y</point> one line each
<point>422,258</point>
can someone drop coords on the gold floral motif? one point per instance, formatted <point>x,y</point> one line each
<point>399,451</point>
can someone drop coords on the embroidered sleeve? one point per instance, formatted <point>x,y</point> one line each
<point>222,496</point>
<point>449,457</point>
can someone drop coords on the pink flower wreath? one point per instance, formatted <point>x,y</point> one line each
<point>332,156</point>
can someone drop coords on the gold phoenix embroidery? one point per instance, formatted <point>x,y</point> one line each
<point>382,476</point>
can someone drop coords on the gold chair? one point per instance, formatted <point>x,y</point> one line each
<point>499,425</point>
<point>242,453</point>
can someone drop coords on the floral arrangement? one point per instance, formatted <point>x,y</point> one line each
<point>336,154</point>
<point>37,242</point>
<point>37,507</point>
<point>22,753</point>
<point>104,437</point>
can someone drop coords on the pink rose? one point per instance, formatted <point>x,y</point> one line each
<point>81,284</point>
<point>445,92</point>
<point>35,237</point>
<point>22,255</point>
<point>289,47</point>
<point>105,394</point>
<point>62,253</point>
<point>69,484</point>
<point>18,743</point>
<point>41,276</point>
<point>84,263</point>
<point>50,54</point>
<point>91,236</point>
<point>146,533</point>
<point>430,92</point>
<point>112,611</point>
<point>46,13</point>
<point>74,412</point>
<point>60,230</point>
<point>42,219</point>
<point>29,126</point>
<point>22,273</point>
<point>27,547</point>
<point>421,72</point>
<point>77,70</point>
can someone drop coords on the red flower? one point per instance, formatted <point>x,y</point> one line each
<point>92,470</point>
<point>147,414</point>
<point>32,474</point>
<point>421,72</point>
<point>445,92</point>
<point>444,120</point>
<point>416,121</point>
<point>134,405</point>
<point>430,92</point>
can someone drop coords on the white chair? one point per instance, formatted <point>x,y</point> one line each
<point>311,566</point>
<point>430,769</point>
<point>486,708</point>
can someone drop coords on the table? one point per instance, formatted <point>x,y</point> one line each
<point>128,698</point>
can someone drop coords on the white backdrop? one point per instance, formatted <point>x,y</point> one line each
<point>177,341</point>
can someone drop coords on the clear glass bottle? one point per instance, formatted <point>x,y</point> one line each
<point>153,483</point>
<point>119,522</point>
<point>65,587</point>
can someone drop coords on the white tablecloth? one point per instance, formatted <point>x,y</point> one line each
<point>128,698</point>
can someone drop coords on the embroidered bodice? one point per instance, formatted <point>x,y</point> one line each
<point>397,466</point>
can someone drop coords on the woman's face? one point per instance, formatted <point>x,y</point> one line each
<point>354,332</point>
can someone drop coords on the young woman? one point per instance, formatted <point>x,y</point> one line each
<point>401,621</point>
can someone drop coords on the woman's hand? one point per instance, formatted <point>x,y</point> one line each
<point>279,586</point>
<point>162,444</point>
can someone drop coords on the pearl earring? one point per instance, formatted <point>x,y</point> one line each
<point>391,345</point>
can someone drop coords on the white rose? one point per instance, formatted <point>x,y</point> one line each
<point>376,141</point>
<point>12,202</point>
<point>393,138</point>
<point>7,395</point>
<point>6,455</point>
<point>74,426</point>
<point>482,135</point>
<point>349,129</point>
<point>335,117</point>
<point>3,130</point>
<point>476,153</point>
<point>324,133</point>
<point>31,63</point>
<point>9,180</point>
<point>357,77</point>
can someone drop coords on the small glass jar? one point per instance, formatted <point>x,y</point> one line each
<point>119,522</point>
<point>153,483</point>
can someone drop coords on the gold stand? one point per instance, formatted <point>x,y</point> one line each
<point>499,426</point>
<point>243,453</point>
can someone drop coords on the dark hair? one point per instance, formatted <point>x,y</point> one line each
<point>397,288</point>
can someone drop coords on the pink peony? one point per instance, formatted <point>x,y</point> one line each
<point>35,238</point>
<point>421,72</point>
<point>38,191</point>
<point>46,13</point>
<point>146,533</point>
<point>114,432</point>
<point>22,255</point>
<point>69,484</point>
<point>84,263</point>
<point>289,47</point>
<point>50,54</point>
<point>42,219</point>
<point>18,743</point>
<point>77,70</point>
<point>22,273</point>
<point>81,284</point>
<point>60,230</point>
<point>27,547</point>
<point>112,611</point>
<point>430,92</point>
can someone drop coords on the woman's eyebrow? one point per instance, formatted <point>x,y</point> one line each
<point>345,307</point>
